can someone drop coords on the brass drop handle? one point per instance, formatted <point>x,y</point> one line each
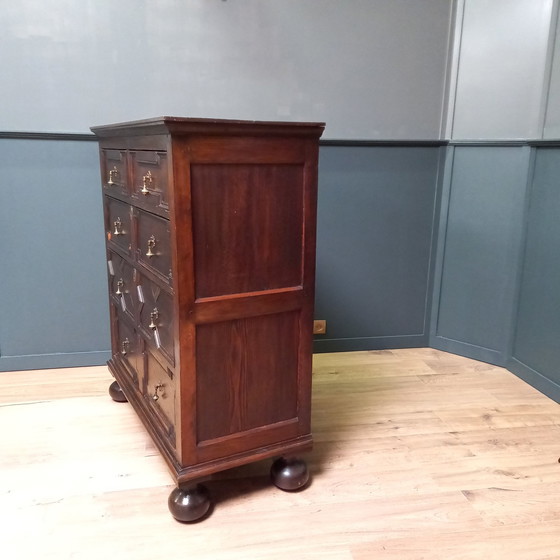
<point>159,388</point>
<point>125,344</point>
<point>120,286</point>
<point>118,227</point>
<point>112,175</point>
<point>151,246</point>
<point>154,316</point>
<point>146,180</point>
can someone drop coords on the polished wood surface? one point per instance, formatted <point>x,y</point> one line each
<point>418,455</point>
<point>210,229</point>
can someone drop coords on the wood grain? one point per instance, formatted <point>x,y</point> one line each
<point>418,455</point>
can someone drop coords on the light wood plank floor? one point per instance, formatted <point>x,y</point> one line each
<point>419,454</point>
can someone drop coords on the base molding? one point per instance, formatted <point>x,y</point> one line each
<point>467,350</point>
<point>369,343</point>
<point>535,379</point>
<point>51,361</point>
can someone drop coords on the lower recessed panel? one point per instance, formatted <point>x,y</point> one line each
<point>247,373</point>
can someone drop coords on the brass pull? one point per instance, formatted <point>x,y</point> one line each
<point>118,227</point>
<point>151,245</point>
<point>158,389</point>
<point>125,346</point>
<point>147,179</point>
<point>120,286</point>
<point>154,316</point>
<point>112,175</point>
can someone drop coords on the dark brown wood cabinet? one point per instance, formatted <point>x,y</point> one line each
<point>210,233</point>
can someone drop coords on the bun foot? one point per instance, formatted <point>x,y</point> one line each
<point>117,393</point>
<point>289,474</point>
<point>189,504</point>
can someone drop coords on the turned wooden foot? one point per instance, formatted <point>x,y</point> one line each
<point>289,473</point>
<point>189,503</point>
<point>117,393</point>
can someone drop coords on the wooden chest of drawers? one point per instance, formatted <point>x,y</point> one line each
<point>210,233</point>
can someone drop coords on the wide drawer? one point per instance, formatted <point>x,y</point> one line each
<point>118,224</point>
<point>150,180</point>
<point>156,322</point>
<point>154,244</point>
<point>114,172</point>
<point>159,394</point>
<point>122,285</point>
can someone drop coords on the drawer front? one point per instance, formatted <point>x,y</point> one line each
<point>114,170</point>
<point>122,285</point>
<point>154,244</point>
<point>119,224</point>
<point>150,180</point>
<point>159,394</point>
<point>156,319</point>
<point>129,348</point>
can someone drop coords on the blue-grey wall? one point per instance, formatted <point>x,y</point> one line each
<point>481,234</point>
<point>53,303</point>
<point>536,343</point>
<point>376,239</point>
<point>376,234</point>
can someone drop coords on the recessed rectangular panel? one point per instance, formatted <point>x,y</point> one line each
<point>247,373</point>
<point>154,244</point>
<point>247,227</point>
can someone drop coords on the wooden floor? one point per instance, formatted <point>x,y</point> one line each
<point>418,455</point>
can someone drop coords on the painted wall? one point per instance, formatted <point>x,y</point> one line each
<point>370,69</point>
<point>373,71</point>
<point>501,72</point>
<point>552,120</point>
<point>480,242</point>
<point>386,70</point>
<point>497,276</point>
<point>536,351</point>
<point>376,234</point>
<point>53,303</point>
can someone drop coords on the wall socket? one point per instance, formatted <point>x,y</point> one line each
<point>320,326</point>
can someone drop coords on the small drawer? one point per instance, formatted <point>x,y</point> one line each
<point>128,347</point>
<point>122,285</point>
<point>114,172</point>
<point>118,224</point>
<point>150,180</point>
<point>154,244</point>
<point>159,393</point>
<point>156,318</point>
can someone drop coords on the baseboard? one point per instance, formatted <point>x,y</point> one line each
<point>49,361</point>
<point>535,379</point>
<point>321,346</point>
<point>467,350</point>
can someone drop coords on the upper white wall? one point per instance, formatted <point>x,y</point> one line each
<point>552,122</point>
<point>502,69</point>
<point>369,68</point>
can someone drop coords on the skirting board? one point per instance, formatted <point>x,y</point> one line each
<point>369,343</point>
<point>535,379</point>
<point>48,361</point>
<point>468,350</point>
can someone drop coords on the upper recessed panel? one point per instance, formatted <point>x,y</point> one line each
<point>247,227</point>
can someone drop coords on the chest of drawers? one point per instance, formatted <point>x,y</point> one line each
<point>210,235</point>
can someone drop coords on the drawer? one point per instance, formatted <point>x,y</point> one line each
<point>128,347</point>
<point>122,285</point>
<point>154,244</point>
<point>150,180</point>
<point>114,172</point>
<point>118,224</point>
<point>157,319</point>
<point>159,394</point>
